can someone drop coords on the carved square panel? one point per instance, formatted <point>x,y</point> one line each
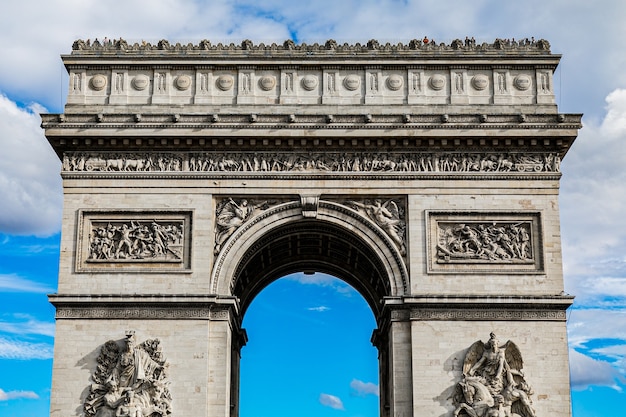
<point>484,242</point>
<point>134,241</point>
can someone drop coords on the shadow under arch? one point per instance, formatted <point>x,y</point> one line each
<point>337,241</point>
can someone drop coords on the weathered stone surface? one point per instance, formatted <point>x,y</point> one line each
<point>425,175</point>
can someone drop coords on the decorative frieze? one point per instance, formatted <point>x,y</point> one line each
<point>487,314</point>
<point>355,162</point>
<point>147,312</point>
<point>481,242</point>
<point>130,380</point>
<point>148,241</point>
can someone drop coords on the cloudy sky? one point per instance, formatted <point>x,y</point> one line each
<point>591,80</point>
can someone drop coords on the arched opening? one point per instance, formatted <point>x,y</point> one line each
<point>309,350</point>
<point>337,242</point>
<point>311,246</point>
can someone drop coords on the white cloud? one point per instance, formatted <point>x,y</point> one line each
<point>586,371</point>
<point>585,325</point>
<point>22,324</point>
<point>331,401</point>
<point>324,280</point>
<point>362,389</point>
<point>320,309</point>
<point>593,202</point>
<point>30,183</point>
<point>15,283</point>
<point>14,395</point>
<point>21,350</point>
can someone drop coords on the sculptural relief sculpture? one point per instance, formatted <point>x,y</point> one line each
<point>312,162</point>
<point>388,215</point>
<point>493,383</point>
<point>231,214</point>
<point>136,240</point>
<point>130,381</point>
<point>484,242</point>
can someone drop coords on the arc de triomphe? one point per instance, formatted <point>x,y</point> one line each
<point>426,176</point>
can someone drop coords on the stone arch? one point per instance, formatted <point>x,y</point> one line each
<point>366,257</point>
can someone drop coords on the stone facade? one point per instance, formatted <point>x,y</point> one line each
<point>435,167</point>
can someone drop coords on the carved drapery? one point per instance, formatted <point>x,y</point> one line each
<point>130,380</point>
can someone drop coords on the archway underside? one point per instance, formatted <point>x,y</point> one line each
<point>311,246</point>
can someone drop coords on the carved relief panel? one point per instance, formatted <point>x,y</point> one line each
<point>131,241</point>
<point>484,242</point>
<point>493,382</point>
<point>386,213</point>
<point>232,213</point>
<point>130,380</point>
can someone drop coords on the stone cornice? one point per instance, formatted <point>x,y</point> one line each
<point>148,306</point>
<point>316,120</point>
<point>479,307</point>
<point>275,132</point>
<point>487,301</point>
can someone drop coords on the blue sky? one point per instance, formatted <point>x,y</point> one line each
<point>591,80</point>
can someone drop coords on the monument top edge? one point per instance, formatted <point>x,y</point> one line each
<point>415,47</point>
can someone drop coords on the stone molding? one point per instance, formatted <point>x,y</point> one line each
<point>486,314</point>
<point>478,308</point>
<point>145,312</point>
<point>224,120</point>
<point>146,307</point>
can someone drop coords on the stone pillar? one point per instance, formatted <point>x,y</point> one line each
<point>393,340</point>
<point>223,361</point>
<point>400,365</point>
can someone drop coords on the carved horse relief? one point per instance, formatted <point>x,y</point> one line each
<point>493,383</point>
